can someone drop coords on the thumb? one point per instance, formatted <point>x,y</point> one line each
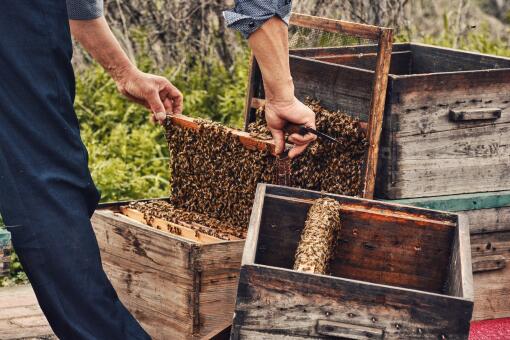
<point>279,140</point>
<point>156,105</point>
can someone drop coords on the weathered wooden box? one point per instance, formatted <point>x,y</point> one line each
<point>398,272</point>
<point>489,224</point>
<point>357,92</point>
<point>446,126</point>
<point>177,287</point>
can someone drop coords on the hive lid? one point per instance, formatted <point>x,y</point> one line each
<point>462,202</point>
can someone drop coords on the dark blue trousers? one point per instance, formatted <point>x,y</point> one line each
<point>46,192</point>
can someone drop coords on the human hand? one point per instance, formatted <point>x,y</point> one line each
<point>279,113</point>
<point>154,92</point>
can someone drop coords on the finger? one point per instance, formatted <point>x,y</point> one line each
<point>176,98</point>
<point>137,100</point>
<point>279,140</point>
<point>299,139</point>
<point>169,106</point>
<point>153,119</point>
<point>297,150</point>
<point>156,105</point>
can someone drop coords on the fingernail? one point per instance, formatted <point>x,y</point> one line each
<point>160,116</point>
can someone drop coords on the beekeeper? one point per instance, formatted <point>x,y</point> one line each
<point>47,194</point>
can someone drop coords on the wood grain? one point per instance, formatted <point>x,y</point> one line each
<point>371,247</point>
<point>336,26</point>
<point>177,288</point>
<point>375,121</point>
<point>248,141</point>
<point>459,161</point>
<point>280,303</point>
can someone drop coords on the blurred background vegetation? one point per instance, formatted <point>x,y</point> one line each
<point>187,42</point>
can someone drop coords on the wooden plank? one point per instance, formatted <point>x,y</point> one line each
<point>460,276</point>
<point>314,52</point>
<point>125,238</point>
<point>386,214</point>
<point>219,266</point>
<point>434,116</point>
<point>244,137</point>
<point>400,61</point>
<point>377,105</point>
<point>177,229</point>
<point>339,88</point>
<point>278,302</point>
<point>488,220</point>
<point>496,243</point>
<point>492,293</point>
<point>451,162</point>
<point>250,248</point>
<point>404,210</point>
<point>433,59</point>
<point>336,26</point>
<point>371,247</point>
<point>488,263</point>
<point>461,202</point>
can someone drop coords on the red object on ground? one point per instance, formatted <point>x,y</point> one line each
<point>497,329</point>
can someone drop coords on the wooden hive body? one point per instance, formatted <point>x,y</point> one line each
<point>489,223</point>
<point>357,92</point>
<point>446,126</point>
<point>398,273</point>
<point>177,288</point>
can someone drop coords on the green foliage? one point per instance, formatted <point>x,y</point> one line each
<point>17,275</point>
<point>128,156</point>
<point>476,39</point>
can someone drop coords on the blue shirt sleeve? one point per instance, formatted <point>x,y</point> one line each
<point>248,15</point>
<point>84,9</point>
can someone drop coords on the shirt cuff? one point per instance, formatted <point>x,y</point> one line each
<point>84,9</point>
<point>249,15</point>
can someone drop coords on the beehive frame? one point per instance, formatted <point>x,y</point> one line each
<point>384,38</point>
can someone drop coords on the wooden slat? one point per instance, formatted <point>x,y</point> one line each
<point>250,248</point>
<point>433,59</point>
<point>219,266</point>
<point>492,288</point>
<point>488,263</point>
<point>276,303</point>
<point>248,141</point>
<point>173,228</point>
<point>377,105</point>
<point>336,26</point>
<point>459,161</point>
<point>461,202</point>
<point>124,237</point>
<point>382,213</point>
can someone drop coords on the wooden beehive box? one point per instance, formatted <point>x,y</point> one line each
<point>489,223</point>
<point>178,287</point>
<point>398,272</point>
<point>447,119</point>
<point>357,92</point>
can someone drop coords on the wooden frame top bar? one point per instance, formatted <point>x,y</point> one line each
<point>337,26</point>
<point>245,138</point>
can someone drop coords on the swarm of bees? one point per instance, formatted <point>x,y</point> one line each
<point>198,222</point>
<point>319,237</point>
<point>327,166</point>
<point>214,174</point>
